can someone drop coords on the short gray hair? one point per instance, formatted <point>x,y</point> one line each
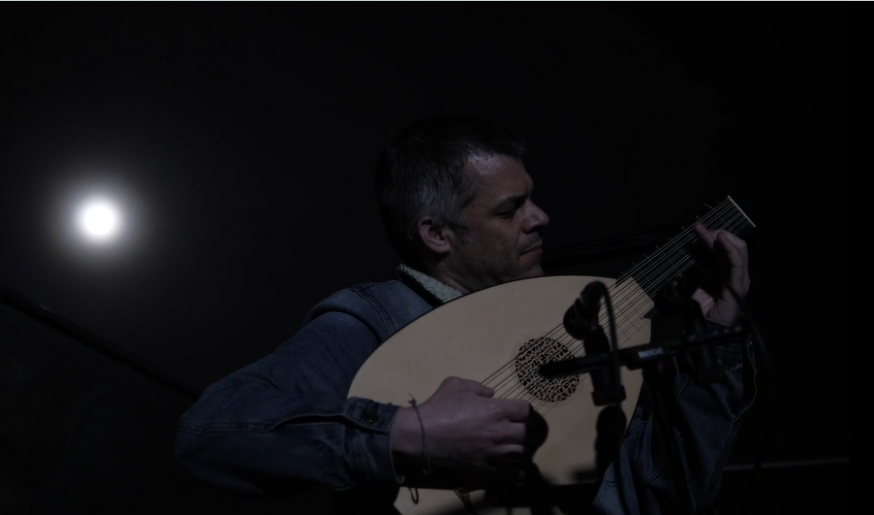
<point>421,172</point>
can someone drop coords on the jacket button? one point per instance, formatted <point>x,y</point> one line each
<point>370,417</point>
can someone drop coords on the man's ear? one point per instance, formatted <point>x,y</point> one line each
<point>434,237</point>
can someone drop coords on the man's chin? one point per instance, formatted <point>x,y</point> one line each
<point>536,271</point>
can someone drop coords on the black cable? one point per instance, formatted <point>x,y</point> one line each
<point>759,343</point>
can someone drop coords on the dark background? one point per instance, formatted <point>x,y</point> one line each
<point>240,139</point>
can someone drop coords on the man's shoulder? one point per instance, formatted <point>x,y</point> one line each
<point>378,291</point>
<point>391,302</point>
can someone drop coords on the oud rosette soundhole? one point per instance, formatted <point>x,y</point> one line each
<point>531,356</point>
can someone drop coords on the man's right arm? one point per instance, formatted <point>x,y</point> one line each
<point>285,422</point>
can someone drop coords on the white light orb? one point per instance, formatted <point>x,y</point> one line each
<point>99,219</point>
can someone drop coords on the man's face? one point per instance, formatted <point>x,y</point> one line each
<point>503,240</point>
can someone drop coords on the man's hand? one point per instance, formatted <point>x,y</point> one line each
<point>468,431</point>
<point>718,304</point>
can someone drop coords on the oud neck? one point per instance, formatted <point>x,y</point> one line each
<point>674,257</point>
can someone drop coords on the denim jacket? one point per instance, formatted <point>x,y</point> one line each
<point>286,423</point>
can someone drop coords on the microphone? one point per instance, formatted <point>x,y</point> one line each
<point>581,319</point>
<point>581,322</point>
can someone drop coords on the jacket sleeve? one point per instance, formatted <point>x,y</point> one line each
<point>285,423</point>
<point>703,420</point>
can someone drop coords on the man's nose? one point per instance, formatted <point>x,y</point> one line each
<point>537,217</point>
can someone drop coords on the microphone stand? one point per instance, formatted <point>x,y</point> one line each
<point>651,377</point>
<point>581,322</point>
<point>650,359</point>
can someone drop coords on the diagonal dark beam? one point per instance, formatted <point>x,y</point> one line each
<point>51,319</point>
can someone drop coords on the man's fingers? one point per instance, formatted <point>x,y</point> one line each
<point>731,243</point>
<point>516,410</point>
<point>469,385</point>
<point>735,250</point>
<point>512,452</point>
<point>731,246</point>
<point>704,235</point>
<point>513,433</point>
<point>734,247</point>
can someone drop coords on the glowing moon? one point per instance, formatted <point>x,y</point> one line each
<point>99,219</point>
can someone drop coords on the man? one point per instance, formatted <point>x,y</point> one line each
<point>456,202</point>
